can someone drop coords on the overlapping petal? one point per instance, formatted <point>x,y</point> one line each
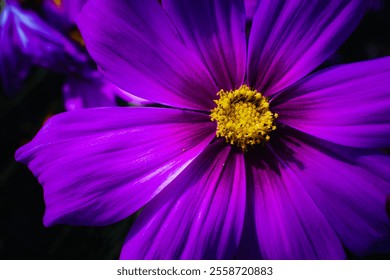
<point>98,166</point>
<point>152,62</point>
<point>25,34</point>
<point>216,30</point>
<point>198,216</point>
<point>91,90</point>
<point>347,104</point>
<point>348,186</point>
<point>288,222</point>
<point>289,39</point>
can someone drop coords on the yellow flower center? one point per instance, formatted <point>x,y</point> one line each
<point>243,117</point>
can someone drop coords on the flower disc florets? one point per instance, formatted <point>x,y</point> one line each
<point>243,117</point>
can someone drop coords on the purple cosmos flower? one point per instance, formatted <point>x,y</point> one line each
<point>251,157</point>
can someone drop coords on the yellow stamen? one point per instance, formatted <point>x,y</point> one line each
<point>243,117</point>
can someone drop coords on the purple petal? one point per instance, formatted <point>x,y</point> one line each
<point>198,216</point>
<point>250,8</point>
<point>97,166</point>
<point>141,52</point>
<point>289,39</point>
<point>349,186</point>
<point>348,104</point>
<point>288,223</point>
<point>216,30</point>
<point>62,15</point>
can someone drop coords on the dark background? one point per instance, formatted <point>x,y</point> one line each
<point>22,234</point>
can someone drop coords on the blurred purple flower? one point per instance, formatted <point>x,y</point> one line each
<point>319,184</point>
<point>27,40</point>
<point>49,38</point>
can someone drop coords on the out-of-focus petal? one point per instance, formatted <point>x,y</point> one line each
<point>198,216</point>
<point>97,166</point>
<point>28,35</point>
<point>289,39</point>
<point>141,52</point>
<point>87,92</point>
<point>347,104</point>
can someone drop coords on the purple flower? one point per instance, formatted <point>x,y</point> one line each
<point>250,157</point>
